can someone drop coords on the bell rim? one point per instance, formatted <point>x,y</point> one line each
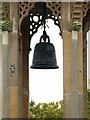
<point>44,67</point>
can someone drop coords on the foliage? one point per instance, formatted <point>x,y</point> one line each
<point>89,81</point>
<point>88,113</point>
<point>6,25</point>
<point>73,26</point>
<point>52,109</point>
<point>46,110</point>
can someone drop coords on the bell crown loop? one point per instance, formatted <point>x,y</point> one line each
<point>44,37</point>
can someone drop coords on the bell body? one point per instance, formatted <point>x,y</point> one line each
<point>44,56</point>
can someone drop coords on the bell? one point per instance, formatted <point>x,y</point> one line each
<point>44,56</point>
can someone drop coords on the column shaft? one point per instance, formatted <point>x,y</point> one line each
<point>1,75</point>
<point>67,73</point>
<point>5,83</point>
<point>14,101</point>
<point>75,102</point>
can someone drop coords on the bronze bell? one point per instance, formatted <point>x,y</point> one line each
<point>44,55</point>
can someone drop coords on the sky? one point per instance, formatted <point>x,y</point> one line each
<point>47,85</point>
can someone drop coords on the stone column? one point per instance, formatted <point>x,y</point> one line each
<point>0,75</point>
<point>82,74</point>
<point>0,63</point>
<point>25,68</point>
<point>73,63</point>
<point>74,84</point>
<point>67,77</point>
<point>74,74</point>
<point>15,100</point>
<point>5,83</point>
